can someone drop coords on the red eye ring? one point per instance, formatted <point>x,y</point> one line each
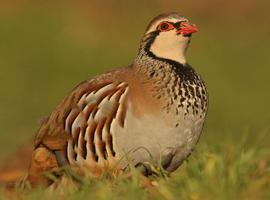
<point>165,26</point>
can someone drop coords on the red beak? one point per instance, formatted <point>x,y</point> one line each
<point>187,29</point>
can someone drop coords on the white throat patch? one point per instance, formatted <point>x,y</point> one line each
<point>170,46</point>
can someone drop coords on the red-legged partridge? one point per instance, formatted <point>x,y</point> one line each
<point>151,111</point>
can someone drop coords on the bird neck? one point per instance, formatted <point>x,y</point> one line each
<point>163,48</point>
<point>174,52</point>
<point>157,68</point>
<point>152,65</point>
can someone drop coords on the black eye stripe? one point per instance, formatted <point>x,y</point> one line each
<point>177,25</point>
<point>165,25</point>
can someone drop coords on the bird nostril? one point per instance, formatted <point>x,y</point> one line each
<point>187,29</point>
<point>184,24</point>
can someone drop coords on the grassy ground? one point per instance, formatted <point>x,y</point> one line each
<point>46,50</point>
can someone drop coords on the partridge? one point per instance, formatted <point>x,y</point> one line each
<point>150,111</point>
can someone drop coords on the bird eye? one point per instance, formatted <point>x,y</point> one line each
<point>165,26</point>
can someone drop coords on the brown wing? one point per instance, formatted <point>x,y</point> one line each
<point>79,129</point>
<point>80,125</point>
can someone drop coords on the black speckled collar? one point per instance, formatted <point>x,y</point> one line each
<point>184,71</point>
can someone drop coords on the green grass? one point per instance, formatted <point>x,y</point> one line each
<point>230,169</point>
<point>47,50</point>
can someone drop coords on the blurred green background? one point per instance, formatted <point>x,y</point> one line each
<point>47,47</point>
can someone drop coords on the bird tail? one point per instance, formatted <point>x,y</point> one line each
<point>15,167</point>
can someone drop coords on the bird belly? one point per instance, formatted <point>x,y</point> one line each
<point>151,138</point>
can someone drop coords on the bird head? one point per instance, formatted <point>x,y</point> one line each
<point>168,36</point>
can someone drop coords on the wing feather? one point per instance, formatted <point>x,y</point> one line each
<point>82,122</point>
